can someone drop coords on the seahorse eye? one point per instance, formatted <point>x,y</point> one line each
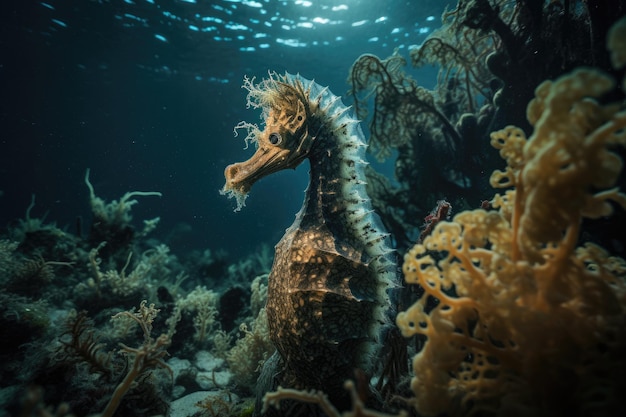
<point>275,138</point>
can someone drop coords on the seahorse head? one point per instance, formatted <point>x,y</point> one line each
<point>285,140</point>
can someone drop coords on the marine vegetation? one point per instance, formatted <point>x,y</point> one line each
<point>490,56</point>
<point>327,293</point>
<point>74,342</point>
<point>529,321</point>
<point>516,308</point>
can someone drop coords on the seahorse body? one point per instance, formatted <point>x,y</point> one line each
<point>327,294</point>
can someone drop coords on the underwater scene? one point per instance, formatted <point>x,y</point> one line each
<point>312,208</point>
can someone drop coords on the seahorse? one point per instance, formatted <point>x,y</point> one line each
<point>328,295</point>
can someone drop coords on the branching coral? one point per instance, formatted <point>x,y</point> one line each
<point>115,212</point>
<point>84,346</point>
<point>144,358</point>
<point>246,358</point>
<point>533,41</point>
<point>436,132</point>
<point>460,53</point>
<point>112,220</point>
<point>401,107</point>
<point>319,399</point>
<point>411,119</point>
<point>32,276</point>
<point>491,55</point>
<point>25,276</point>
<point>527,322</point>
<point>91,372</point>
<point>204,304</point>
<point>151,269</point>
<point>258,296</point>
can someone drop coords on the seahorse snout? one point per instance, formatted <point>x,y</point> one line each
<point>236,185</point>
<point>238,178</point>
<point>231,172</point>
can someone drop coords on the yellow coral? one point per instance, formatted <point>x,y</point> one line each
<point>528,324</point>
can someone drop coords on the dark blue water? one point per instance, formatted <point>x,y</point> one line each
<point>145,93</point>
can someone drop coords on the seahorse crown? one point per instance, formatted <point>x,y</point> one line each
<point>282,103</point>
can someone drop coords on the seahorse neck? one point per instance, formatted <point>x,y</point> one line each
<point>336,198</point>
<point>336,180</point>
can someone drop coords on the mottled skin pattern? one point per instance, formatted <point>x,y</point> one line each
<point>327,297</point>
<point>319,308</point>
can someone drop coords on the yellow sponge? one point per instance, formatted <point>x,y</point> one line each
<point>527,323</point>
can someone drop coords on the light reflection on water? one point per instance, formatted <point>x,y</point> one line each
<point>217,30</point>
<point>227,16</point>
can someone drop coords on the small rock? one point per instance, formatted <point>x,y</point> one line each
<point>206,361</point>
<point>178,365</point>
<point>186,406</point>
<point>213,379</point>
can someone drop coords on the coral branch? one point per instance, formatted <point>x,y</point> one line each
<point>520,306</point>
